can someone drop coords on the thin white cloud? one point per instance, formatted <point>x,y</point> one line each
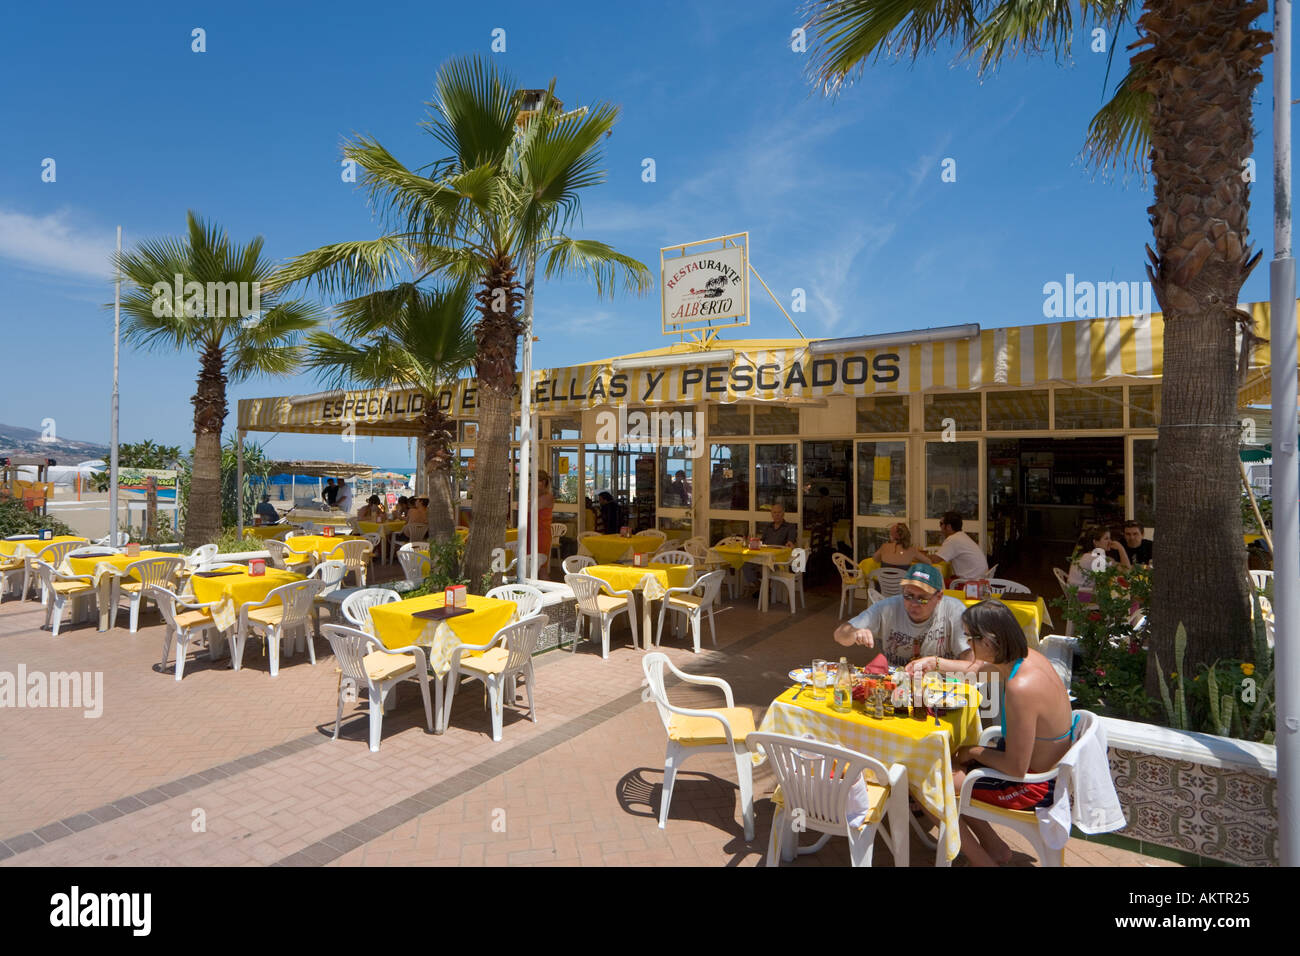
<point>56,242</point>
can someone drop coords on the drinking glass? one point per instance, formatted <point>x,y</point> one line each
<point>819,680</point>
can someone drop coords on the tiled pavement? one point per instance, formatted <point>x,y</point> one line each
<point>237,768</point>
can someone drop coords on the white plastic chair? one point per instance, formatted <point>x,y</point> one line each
<point>1059,650</point>
<point>693,731</point>
<point>123,538</point>
<point>528,599</point>
<point>852,582</point>
<point>576,562</point>
<point>415,564</point>
<point>201,557</point>
<point>498,668</point>
<point>599,608</point>
<point>1005,586</point>
<point>674,557</point>
<point>286,612</point>
<point>60,590</point>
<point>51,554</point>
<point>1260,579</point>
<point>164,572</point>
<point>582,547</point>
<point>285,558</point>
<point>831,804</point>
<point>12,570</point>
<point>693,602</point>
<point>357,605</point>
<point>790,577</point>
<point>356,555</point>
<point>886,581</point>
<point>330,574</point>
<point>185,623</point>
<point>415,531</point>
<point>1025,822</point>
<point>364,661</point>
<point>558,531</point>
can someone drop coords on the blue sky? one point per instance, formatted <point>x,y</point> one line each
<point>842,198</point>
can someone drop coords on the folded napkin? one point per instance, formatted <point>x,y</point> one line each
<point>879,665</point>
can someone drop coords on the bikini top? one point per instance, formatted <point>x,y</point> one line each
<point>1069,733</point>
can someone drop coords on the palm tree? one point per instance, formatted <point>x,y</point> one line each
<point>1189,91</point>
<point>502,196</point>
<point>211,316</point>
<point>406,337</point>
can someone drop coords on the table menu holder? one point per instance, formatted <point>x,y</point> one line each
<point>442,613</point>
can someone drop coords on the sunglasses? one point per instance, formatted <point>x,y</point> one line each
<point>912,598</point>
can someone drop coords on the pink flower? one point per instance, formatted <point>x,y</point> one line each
<point>1100,673</point>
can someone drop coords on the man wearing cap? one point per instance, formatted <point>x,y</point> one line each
<point>918,622</point>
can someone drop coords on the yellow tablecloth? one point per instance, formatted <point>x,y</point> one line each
<point>234,589</point>
<point>736,555</point>
<point>319,545</point>
<point>265,531</point>
<point>623,577</point>
<point>381,527</point>
<point>98,566</point>
<point>915,744</point>
<point>870,564</point>
<point>396,625</point>
<point>608,548</point>
<point>1031,614</point>
<point>29,548</point>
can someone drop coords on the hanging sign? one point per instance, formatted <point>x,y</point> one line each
<point>705,284</point>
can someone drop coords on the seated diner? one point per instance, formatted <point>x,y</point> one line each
<point>919,620</point>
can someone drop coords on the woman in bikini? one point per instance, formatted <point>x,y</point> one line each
<point>898,552</point>
<point>1037,724</point>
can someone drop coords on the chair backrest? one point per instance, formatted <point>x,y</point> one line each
<point>709,585</point>
<point>1005,586</point>
<point>355,554</point>
<point>357,605</point>
<point>277,550</point>
<point>802,768</point>
<point>201,556</point>
<point>415,565</point>
<point>576,562</point>
<point>290,535</point>
<point>91,550</point>
<point>155,570</point>
<point>697,548</point>
<point>653,666</point>
<point>888,581</point>
<point>350,648</point>
<point>1059,651</point>
<point>992,572</point>
<point>799,560</point>
<point>520,640</point>
<point>123,537</point>
<point>528,600</point>
<point>1260,579</point>
<point>45,572</point>
<point>653,533</point>
<point>1062,579</point>
<point>558,531</point>
<point>850,573</point>
<point>585,590</point>
<point>729,540</point>
<point>415,531</point>
<point>55,553</point>
<point>297,598</point>
<point>330,574</point>
<point>675,557</point>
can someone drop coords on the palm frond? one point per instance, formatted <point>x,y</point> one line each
<point>348,268</point>
<point>560,162</point>
<point>600,262</point>
<point>473,111</point>
<point>1119,135</point>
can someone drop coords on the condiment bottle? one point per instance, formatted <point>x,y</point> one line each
<point>843,698</point>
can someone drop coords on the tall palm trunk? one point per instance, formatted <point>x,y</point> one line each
<point>1201,69</point>
<point>497,333</point>
<point>203,508</point>
<point>439,434</point>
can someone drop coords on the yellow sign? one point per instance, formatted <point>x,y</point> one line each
<point>562,465</point>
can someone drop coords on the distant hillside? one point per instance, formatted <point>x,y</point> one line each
<point>15,440</point>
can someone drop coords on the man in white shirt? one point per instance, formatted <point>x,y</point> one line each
<point>343,499</point>
<point>966,557</point>
<point>920,621</point>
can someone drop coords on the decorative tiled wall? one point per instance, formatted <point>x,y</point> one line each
<point>1229,815</point>
<point>563,621</point>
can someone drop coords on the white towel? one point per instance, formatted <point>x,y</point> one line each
<point>1096,807</point>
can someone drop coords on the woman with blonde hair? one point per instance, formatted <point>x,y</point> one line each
<point>898,552</point>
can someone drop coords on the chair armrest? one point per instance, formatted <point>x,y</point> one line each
<point>609,589</point>
<point>700,679</point>
<point>981,773</point>
<point>989,735</point>
<point>457,650</point>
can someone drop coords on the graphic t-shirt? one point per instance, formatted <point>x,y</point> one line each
<point>901,639</point>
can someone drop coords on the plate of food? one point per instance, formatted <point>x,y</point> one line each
<point>803,675</point>
<point>945,699</point>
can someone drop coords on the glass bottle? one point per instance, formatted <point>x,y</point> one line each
<point>843,700</point>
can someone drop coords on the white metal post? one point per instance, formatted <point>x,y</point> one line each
<point>112,452</point>
<point>1286,479</point>
<point>526,542</point>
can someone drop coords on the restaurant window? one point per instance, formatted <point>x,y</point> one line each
<point>1090,408</point>
<point>1144,482</point>
<point>566,429</point>
<point>728,420</point>
<point>675,529</point>
<point>776,419</point>
<point>870,540</point>
<point>883,413</point>
<point>952,481</point>
<point>1143,406</point>
<point>963,409</point>
<point>776,470</point>
<point>564,475</point>
<point>675,484</point>
<point>729,477</point>
<point>469,431</point>
<point>721,528</point>
<point>882,478</point>
<point>1020,410</point>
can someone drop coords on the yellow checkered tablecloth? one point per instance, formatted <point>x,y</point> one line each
<point>396,625</point>
<point>918,745</point>
<point>736,555</point>
<point>31,547</point>
<point>319,545</point>
<point>608,548</point>
<point>1030,615</point>
<point>653,581</point>
<point>97,567</point>
<point>234,589</point>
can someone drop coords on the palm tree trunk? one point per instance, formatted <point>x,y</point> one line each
<point>203,507</point>
<point>439,433</point>
<point>1201,70</point>
<point>497,333</point>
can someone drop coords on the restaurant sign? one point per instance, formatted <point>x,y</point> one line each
<point>705,288</point>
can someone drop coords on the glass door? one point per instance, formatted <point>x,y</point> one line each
<point>881,493</point>
<point>954,481</point>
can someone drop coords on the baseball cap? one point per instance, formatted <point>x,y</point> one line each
<point>924,576</point>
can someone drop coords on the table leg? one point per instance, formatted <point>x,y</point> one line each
<point>103,598</point>
<point>762,590</point>
<point>645,620</point>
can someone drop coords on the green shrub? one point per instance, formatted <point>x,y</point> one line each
<point>15,519</point>
<point>231,542</point>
